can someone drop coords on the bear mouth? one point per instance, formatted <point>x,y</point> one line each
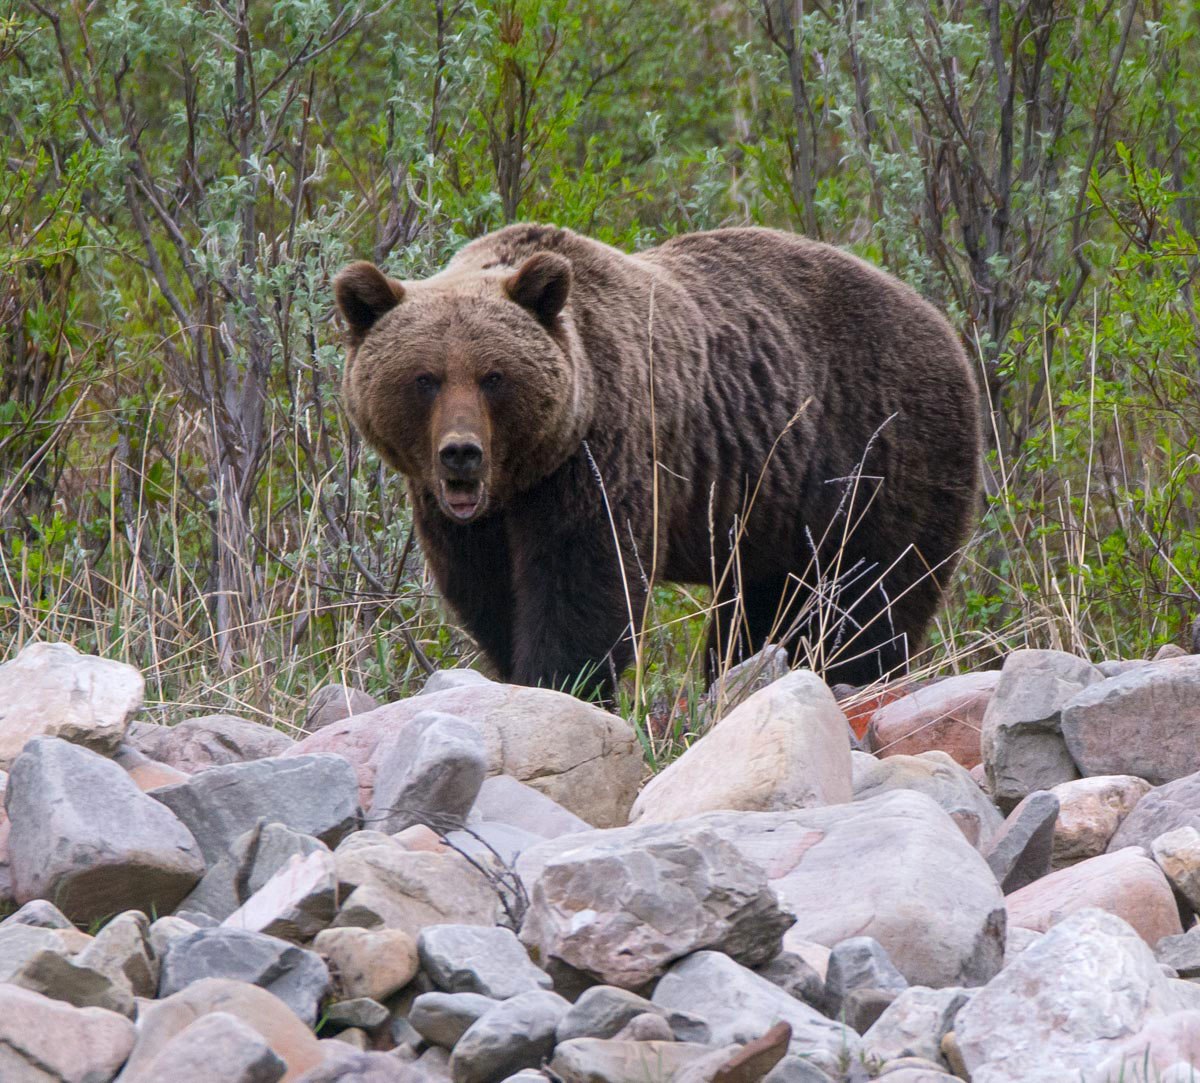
<point>463,500</point>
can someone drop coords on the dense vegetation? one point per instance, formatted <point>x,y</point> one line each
<point>178,486</point>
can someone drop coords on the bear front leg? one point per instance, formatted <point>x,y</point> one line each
<point>471,567</point>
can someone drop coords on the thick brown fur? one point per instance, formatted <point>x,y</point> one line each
<point>811,417</point>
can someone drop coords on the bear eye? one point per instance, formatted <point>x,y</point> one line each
<point>491,381</point>
<point>425,383</point>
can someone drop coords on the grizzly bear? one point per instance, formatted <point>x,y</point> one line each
<point>743,408</point>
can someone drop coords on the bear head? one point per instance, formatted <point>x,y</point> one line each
<point>471,382</point>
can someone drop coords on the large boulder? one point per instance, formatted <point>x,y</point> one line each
<point>210,740</point>
<point>787,746</point>
<point>944,715</point>
<point>1145,722</point>
<point>1163,809</point>
<point>1089,812</point>
<point>51,690</point>
<point>586,759</point>
<point>84,836</point>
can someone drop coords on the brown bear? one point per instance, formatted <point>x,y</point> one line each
<point>741,408</point>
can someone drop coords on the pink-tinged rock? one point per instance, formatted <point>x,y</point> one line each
<point>586,759</point>
<point>1159,1045</point>
<point>1089,812</point>
<point>946,715</point>
<point>1126,883</point>
<point>332,702</point>
<point>211,740</point>
<point>47,1040</point>
<point>296,903</point>
<point>147,774</point>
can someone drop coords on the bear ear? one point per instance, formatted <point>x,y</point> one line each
<point>363,294</point>
<point>541,285</point>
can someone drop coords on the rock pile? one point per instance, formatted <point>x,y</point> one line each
<point>474,885</point>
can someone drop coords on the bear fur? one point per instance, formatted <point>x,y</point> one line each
<point>814,422</point>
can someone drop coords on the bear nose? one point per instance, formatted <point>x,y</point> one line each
<point>462,458</point>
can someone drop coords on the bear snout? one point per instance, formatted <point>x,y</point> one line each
<point>461,458</point>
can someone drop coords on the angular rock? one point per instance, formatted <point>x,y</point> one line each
<point>1163,809</point>
<point>738,683</point>
<point>121,950</point>
<point>589,761</point>
<point>443,1018</point>
<point>1022,741</point>
<point>48,1041</point>
<point>1127,884</point>
<point>361,1012</point>
<point>146,773</point>
<point>1181,952</point>
<point>1178,855</point>
<point>915,1024</point>
<point>371,963</point>
<point>785,747</point>
<point>858,963</point>
<point>1090,811</point>
<point>603,1011</point>
<point>793,974</point>
<point>1145,722</point>
<point>739,1007</point>
<point>428,774</point>
<point>332,702</point>
<point>1021,851</point>
<point>938,776</point>
<point>315,795</point>
<point>211,740</point>
<point>516,1034</point>
<point>505,800</point>
<point>797,1069</point>
<point>40,913</point>
<point>1063,1004</point>
<point>599,1060</point>
<point>217,1046</point>
<point>50,972</point>
<point>476,959</point>
<point>51,690</point>
<point>623,905</point>
<point>161,1021</point>
<point>297,977</point>
<point>296,903</point>
<point>83,835</point>
<point>165,931</point>
<point>944,715</point>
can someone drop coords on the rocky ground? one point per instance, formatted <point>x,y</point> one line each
<point>475,885</point>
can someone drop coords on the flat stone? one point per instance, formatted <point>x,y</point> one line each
<point>1145,722</point>
<point>161,1021</point>
<point>428,774</point>
<point>297,977</point>
<point>1178,855</point>
<point>315,795</point>
<point>443,680</point>
<point>121,950</point>
<point>51,690</point>
<point>51,973</point>
<point>371,963</point>
<point>589,761</point>
<point>505,800</point>
<point>211,740</point>
<point>217,1046</point>
<point>515,1034</point>
<point>937,776</point>
<point>502,841</point>
<point>83,835</point>
<point>360,1012</point>
<point>946,715</point>
<point>1163,809</point>
<point>739,1007</point>
<point>600,1060</point>
<point>622,905</point>
<point>915,1023</point>
<point>333,702</point>
<point>1021,851</point>
<point>603,1011</point>
<point>443,1018</point>
<point>48,1041</point>
<point>476,959</point>
<point>296,903</point>
<point>1090,811</point>
<point>147,774</point>
<point>1063,1003</point>
<point>858,962</point>
<point>785,747</point>
<point>1022,741</point>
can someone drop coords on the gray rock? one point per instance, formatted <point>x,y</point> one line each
<point>915,1023</point>
<point>1114,667</point>
<point>938,776</point>
<point>359,1067</point>
<point>315,794</point>
<point>739,1006</point>
<point>797,1069</point>
<point>85,836</point>
<point>599,1060</point>
<point>1177,853</point>
<point>51,690</point>
<point>516,1034</point>
<point>445,679</point>
<point>296,903</point>
<point>740,682</point>
<point>502,841</point>
<point>603,1011</point>
<point>505,800</point>
<point>1163,809</point>
<point>298,977</point>
<point>122,952</point>
<point>795,976</point>
<point>428,774</point>
<point>647,1027</point>
<point>622,905</point>
<point>1144,722</point>
<point>358,1012</point>
<point>332,702</point>
<point>1181,952</point>
<point>212,740</point>
<point>217,1046</point>
<point>476,959</point>
<point>859,962</point>
<point>443,1018</point>
<point>1022,740</point>
<point>38,912</point>
<point>1022,850</point>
